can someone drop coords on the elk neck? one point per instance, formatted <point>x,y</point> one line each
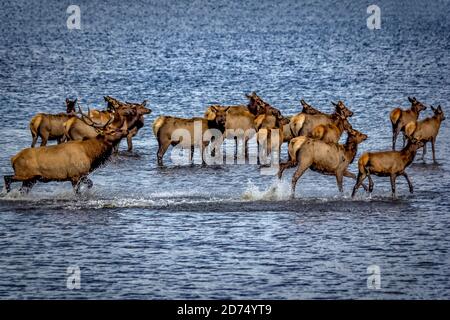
<point>408,153</point>
<point>213,124</point>
<point>350,148</point>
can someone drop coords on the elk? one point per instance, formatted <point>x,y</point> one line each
<point>267,119</point>
<point>239,121</point>
<point>165,130</point>
<point>303,124</point>
<point>326,158</point>
<point>331,132</point>
<point>400,118</point>
<point>72,161</point>
<point>135,121</point>
<point>51,126</point>
<point>387,164</point>
<point>426,130</point>
<point>84,127</point>
<point>307,108</point>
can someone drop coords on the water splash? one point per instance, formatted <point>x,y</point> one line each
<point>278,190</point>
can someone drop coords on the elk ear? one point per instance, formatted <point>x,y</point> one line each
<point>75,101</point>
<point>334,104</point>
<point>432,108</point>
<point>226,109</point>
<point>67,100</point>
<point>144,103</point>
<point>439,108</point>
<point>410,100</point>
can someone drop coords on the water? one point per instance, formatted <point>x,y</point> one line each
<point>224,231</point>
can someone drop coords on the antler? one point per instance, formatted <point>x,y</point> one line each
<point>92,122</point>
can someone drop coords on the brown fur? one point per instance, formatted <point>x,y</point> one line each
<point>165,126</point>
<point>331,132</point>
<point>71,161</point>
<point>400,118</point>
<point>387,164</point>
<point>51,126</point>
<point>326,158</point>
<point>426,130</point>
<point>307,108</point>
<point>303,124</point>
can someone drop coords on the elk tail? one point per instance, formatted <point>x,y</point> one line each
<point>35,123</point>
<point>395,116</point>
<point>157,124</point>
<point>363,162</point>
<point>294,146</point>
<point>296,124</point>
<point>410,128</point>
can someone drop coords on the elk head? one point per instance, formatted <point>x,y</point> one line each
<point>356,136</point>
<point>342,109</point>
<point>70,106</point>
<point>416,104</point>
<point>255,103</point>
<point>438,112</point>
<point>218,115</point>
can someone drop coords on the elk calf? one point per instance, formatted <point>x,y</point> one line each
<point>326,158</point>
<point>426,130</point>
<point>387,164</point>
<point>400,118</point>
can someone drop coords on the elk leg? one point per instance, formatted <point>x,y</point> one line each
<point>349,174</point>
<point>35,137</point>
<point>284,166</point>
<point>300,171</point>
<point>395,131</point>
<point>44,139</point>
<point>8,181</point>
<point>161,151</point>
<point>192,154</point>
<point>88,182</point>
<point>130,136</point>
<point>393,177</point>
<point>433,141</point>
<point>411,188</point>
<point>424,151</point>
<point>370,183</point>
<point>359,181</point>
<point>27,185</point>
<point>76,183</point>
<point>339,181</point>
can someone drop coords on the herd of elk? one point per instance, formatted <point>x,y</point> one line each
<point>86,140</point>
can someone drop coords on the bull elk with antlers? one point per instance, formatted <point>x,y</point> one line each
<point>72,161</point>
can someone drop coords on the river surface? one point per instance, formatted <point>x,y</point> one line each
<point>224,231</point>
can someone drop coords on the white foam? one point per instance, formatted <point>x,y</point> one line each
<point>278,190</point>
